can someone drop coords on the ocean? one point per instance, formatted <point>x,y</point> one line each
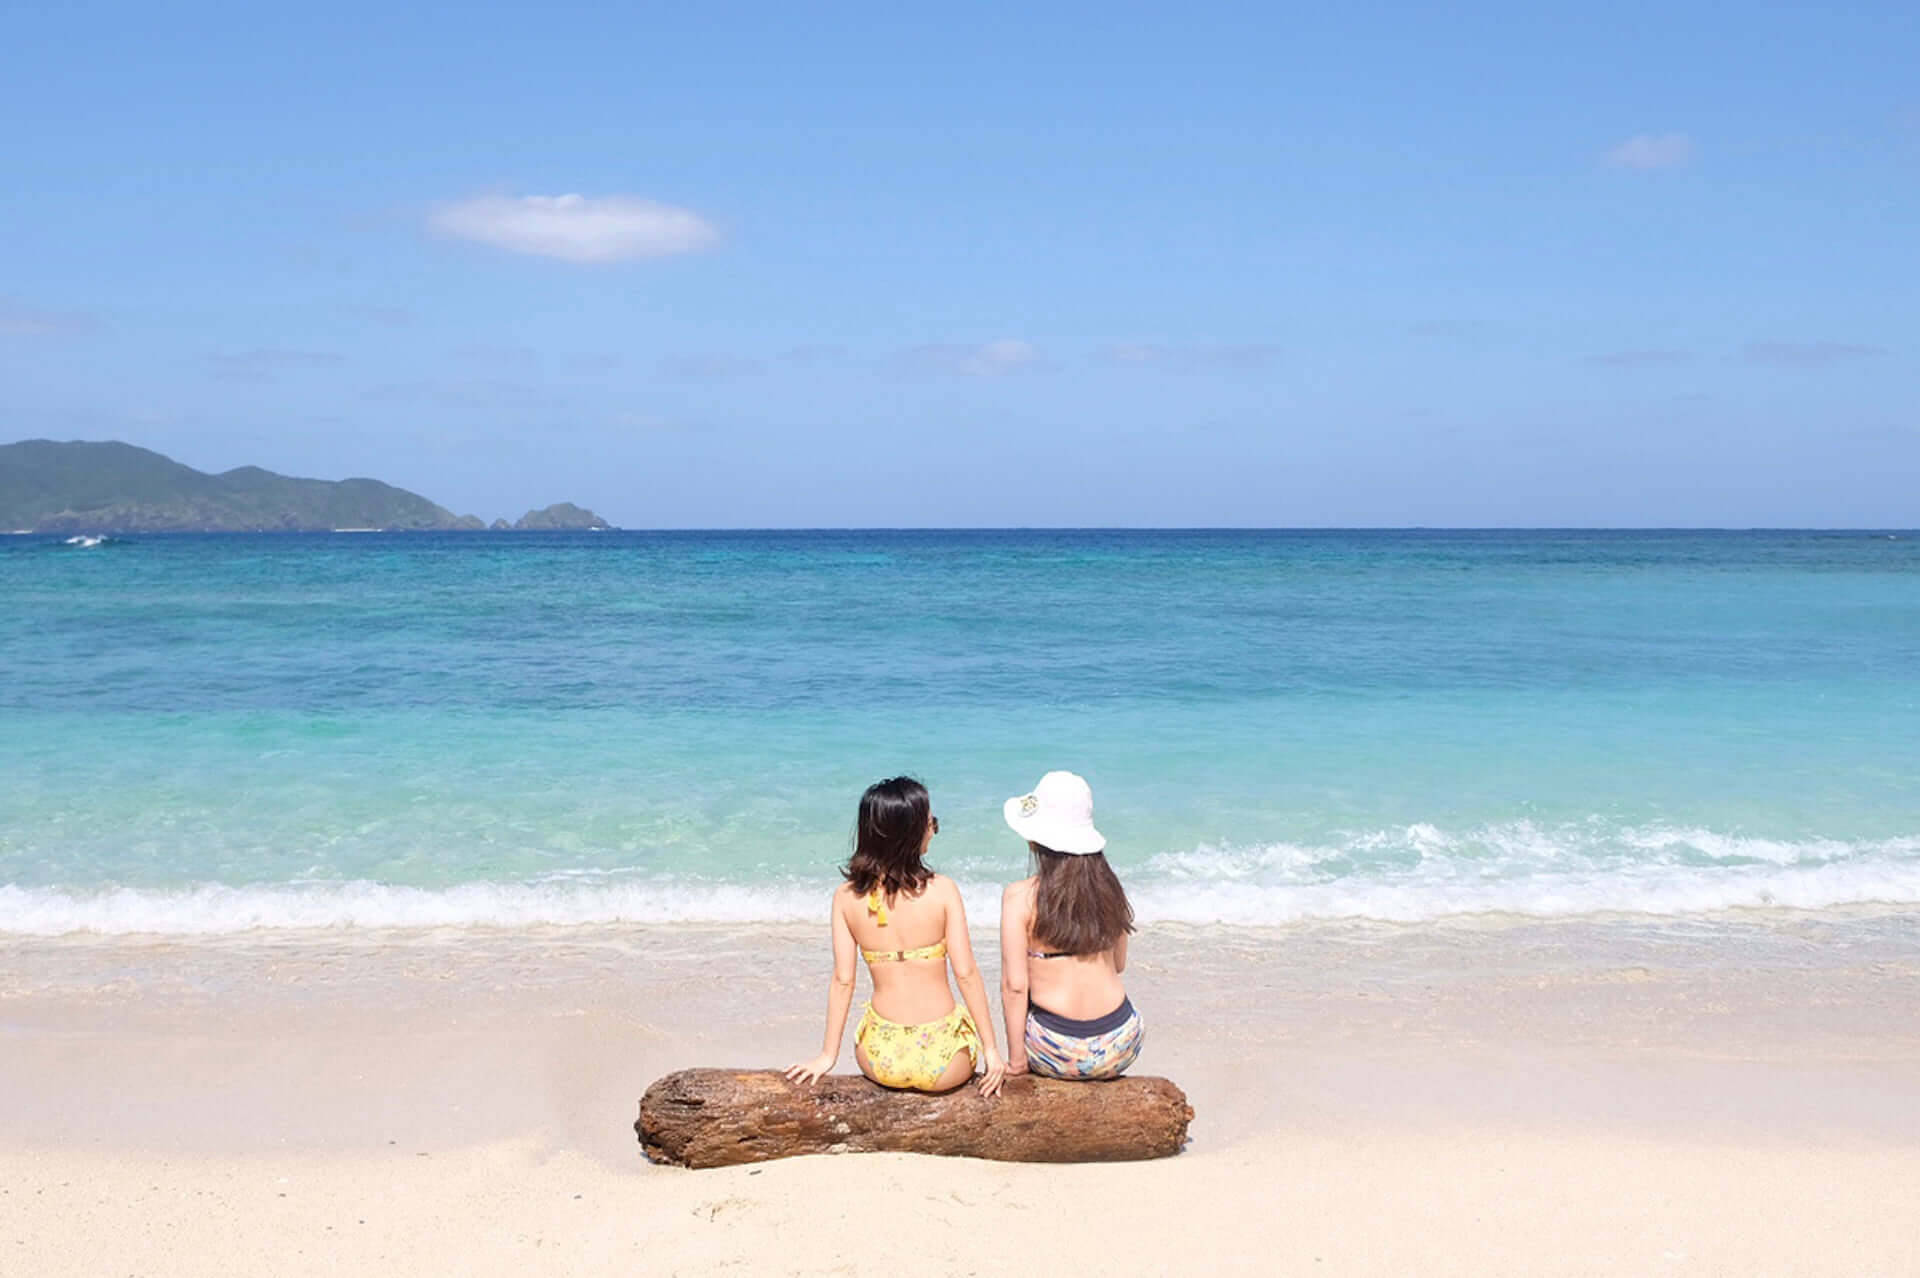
<point>211,734</point>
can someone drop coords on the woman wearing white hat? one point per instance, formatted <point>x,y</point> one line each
<point>1063,942</point>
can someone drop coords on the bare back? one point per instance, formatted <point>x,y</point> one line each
<point>910,991</point>
<point>1078,986</point>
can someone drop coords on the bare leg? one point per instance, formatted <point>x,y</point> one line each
<point>958,1071</point>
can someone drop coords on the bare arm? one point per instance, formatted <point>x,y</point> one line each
<point>1120,954</point>
<point>1013,974</point>
<point>973,989</point>
<point>839,1000</point>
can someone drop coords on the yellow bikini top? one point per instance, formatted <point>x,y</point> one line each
<point>878,908</point>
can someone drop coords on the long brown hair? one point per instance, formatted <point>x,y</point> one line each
<point>1079,906</point>
<point>892,828</point>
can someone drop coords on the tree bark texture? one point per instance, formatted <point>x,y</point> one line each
<point>719,1117</point>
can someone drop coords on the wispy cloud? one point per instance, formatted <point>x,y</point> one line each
<point>1652,151</point>
<point>577,228</point>
<point>814,354</point>
<point>1238,357</point>
<point>396,392</point>
<point>498,356</point>
<point>1883,433</point>
<point>266,363</point>
<point>17,319</point>
<point>1807,354</point>
<point>988,359</point>
<point>1443,328</point>
<point>467,394</point>
<point>710,367</point>
<point>1651,357</point>
<point>374,313</point>
<point>636,422</point>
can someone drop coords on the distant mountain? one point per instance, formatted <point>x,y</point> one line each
<point>112,487</point>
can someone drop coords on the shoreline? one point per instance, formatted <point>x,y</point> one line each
<point>1629,921</point>
<point>1209,887</point>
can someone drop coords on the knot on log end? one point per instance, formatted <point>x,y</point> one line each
<point>718,1118</point>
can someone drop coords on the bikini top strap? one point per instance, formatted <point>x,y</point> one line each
<point>877,907</point>
<point>935,951</point>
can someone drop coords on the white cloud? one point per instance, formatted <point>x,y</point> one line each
<point>17,319</point>
<point>1005,353</point>
<point>267,363</point>
<point>1808,354</point>
<point>815,354</point>
<point>1446,328</point>
<point>577,228</point>
<point>1241,357</point>
<point>643,422</point>
<point>1644,357</point>
<point>988,359</point>
<point>1133,353</point>
<point>1652,151</point>
<point>710,367</point>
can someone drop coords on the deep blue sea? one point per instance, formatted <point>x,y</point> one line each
<point>206,734</point>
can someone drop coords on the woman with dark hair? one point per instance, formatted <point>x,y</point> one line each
<point>1063,942</point>
<point>909,924</point>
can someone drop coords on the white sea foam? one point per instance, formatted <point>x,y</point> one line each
<point>1421,872</point>
<point>1418,899</point>
<point>1410,874</point>
<point>209,909</point>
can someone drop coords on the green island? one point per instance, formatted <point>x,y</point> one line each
<point>48,486</point>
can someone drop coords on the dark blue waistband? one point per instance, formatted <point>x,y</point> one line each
<point>1083,1029</point>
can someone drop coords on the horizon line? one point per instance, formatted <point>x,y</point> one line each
<point>1892,529</point>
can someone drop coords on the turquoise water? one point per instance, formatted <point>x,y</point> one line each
<point>211,733</point>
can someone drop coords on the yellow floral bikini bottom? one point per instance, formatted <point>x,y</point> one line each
<point>915,1056</point>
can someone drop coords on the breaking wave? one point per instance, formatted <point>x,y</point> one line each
<point>1408,874</point>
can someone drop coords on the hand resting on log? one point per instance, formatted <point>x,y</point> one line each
<point>720,1117</point>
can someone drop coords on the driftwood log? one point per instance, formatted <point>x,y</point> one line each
<point>719,1117</point>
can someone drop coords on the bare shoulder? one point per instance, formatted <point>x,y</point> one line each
<point>1019,893</point>
<point>942,888</point>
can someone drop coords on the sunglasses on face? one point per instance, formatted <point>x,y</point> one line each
<point>934,823</point>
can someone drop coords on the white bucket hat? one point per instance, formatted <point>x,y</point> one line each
<point>1057,815</point>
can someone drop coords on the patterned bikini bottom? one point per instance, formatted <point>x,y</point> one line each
<point>1058,1047</point>
<point>915,1056</point>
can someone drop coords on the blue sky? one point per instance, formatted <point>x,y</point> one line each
<point>776,265</point>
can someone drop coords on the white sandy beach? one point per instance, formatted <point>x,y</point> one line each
<point>1737,1096</point>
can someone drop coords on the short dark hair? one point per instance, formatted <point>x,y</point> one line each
<point>887,840</point>
<point>1079,906</point>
